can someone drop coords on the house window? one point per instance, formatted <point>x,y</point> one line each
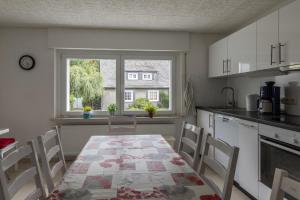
<point>147,76</point>
<point>98,79</point>
<point>132,76</point>
<point>153,95</point>
<point>128,96</point>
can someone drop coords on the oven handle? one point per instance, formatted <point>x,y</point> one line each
<point>280,146</point>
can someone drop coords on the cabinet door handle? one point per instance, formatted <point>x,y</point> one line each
<point>224,119</point>
<point>228,66</point>
<point>272,47</point>
<point>280,53</point>
<point>210,121</point>
<point>247,125</point>
<point>223,66</point>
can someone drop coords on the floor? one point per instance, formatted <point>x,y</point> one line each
<point>236,194</point>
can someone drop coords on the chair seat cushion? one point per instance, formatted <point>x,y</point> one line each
<point>4,142</point>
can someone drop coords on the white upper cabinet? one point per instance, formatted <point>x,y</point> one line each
<point>271,42</point>
<point>289,34</point>
<point>242,50</point>
<point>218,58</point>
<point>267,42</point>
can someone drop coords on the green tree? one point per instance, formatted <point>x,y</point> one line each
<point>163,100</point>
<point>86,81</point>
<point>139,104</point>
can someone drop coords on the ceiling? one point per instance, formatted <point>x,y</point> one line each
<point>209,16</point>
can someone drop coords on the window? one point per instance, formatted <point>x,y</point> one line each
<point>132,76</point>
<point>98,79</point>
<point>128,96</point>
<point>150,92</point>
<point>147,76</point>
<point>153,95</point>
<point>91,82</point>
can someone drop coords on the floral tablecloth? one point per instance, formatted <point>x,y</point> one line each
<point>131,167</point>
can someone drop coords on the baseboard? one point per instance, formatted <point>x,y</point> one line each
<point>243,191</point>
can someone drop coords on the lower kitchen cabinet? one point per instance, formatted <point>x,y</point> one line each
<point>240,133</point>
<point>226,129</point>
<point>243,134</point>
<point>248,157</point>
<point>205,120</point>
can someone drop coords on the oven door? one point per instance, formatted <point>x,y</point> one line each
<point>276,154</point>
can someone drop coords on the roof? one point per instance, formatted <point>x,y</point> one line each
<point>160,69</point>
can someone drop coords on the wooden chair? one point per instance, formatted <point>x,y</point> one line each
<point>283,184</point>
<point>9,190</point>
<point>225,172</point>
<point>194,145</point>
<point>50,146</point>
<point>122,124</point>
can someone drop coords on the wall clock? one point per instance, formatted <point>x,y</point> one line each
<point>26,62</point>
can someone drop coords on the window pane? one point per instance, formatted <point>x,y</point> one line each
<point>128,95</point>
<point>91,82</point>
<point>152,83</point>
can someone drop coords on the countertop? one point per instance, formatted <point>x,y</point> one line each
<point>282,121</point>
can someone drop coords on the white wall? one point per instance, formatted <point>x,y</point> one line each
<point>73,146</point>
<point>117,39</point>
<point>207,92</point>
<point>251,85</point>
<point>27,97</point>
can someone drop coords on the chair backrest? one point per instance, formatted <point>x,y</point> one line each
<point>122,124</point>
<point>225,172</point>
<point>8,190</point>
<point>191,140</point>
<point>50,146</point>
<point>283,184</point>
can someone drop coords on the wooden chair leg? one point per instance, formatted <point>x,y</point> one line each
<point>6,173</point>
<point>7,176</point>
<point>17,163</point>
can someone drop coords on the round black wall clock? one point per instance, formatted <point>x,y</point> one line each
<point>27,62</point>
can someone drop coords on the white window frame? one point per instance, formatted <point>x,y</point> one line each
<point>130,76</point>
<point>172,90</point>
<point>131,96</point>
<point>149,95</point>
<point>61,79</point>
<point>144,75</point>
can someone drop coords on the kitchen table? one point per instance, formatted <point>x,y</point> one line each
<point>131,167</point>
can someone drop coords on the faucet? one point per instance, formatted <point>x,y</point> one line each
<point>233,100</point>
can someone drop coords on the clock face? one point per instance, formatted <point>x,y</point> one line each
<point>26,62</point>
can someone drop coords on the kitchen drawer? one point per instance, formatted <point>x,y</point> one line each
<point>288,136</point>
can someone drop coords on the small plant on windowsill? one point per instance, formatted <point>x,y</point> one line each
<point>151,109</point>
<point>112,108</point>
<point>87,112</point>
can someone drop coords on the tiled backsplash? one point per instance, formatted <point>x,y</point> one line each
<point>250,85</point>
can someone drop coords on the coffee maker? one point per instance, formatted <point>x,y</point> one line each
<point>269,99</point>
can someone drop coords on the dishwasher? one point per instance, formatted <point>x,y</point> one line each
<point>226,129</point>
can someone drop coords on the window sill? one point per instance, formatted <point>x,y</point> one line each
<point>104,120</point>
